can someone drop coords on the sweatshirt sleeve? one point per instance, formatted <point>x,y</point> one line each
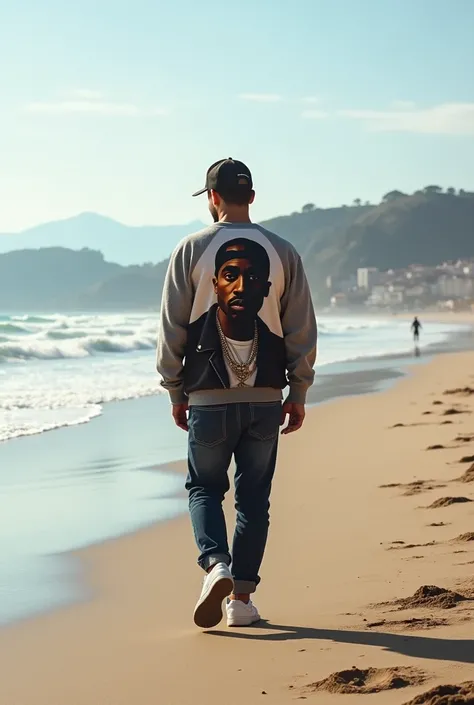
<point>299,330</point>
<point>176,304</point>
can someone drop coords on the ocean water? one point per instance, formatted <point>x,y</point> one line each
<point>89,482</point>
<point>59,370</point>
<point>76,486</point>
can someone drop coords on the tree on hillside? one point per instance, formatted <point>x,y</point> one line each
<point>433,189</point>
<point>451,191</point>
<point>367,203</point>
<point>393,196</point>
<point>357,202</point>
<point>308,208</point>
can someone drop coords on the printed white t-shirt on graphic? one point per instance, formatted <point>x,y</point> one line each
<point>241,351</point>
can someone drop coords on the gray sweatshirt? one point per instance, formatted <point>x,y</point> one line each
<point>287,311</point>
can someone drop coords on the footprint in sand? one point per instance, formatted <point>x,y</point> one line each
<point>465,438</point>
<point>468,476</point>
<point>464,538</point>
<point>419,486</point>
<point>368,680</point>
<point>454,411</point>
<point>408,425</point>
<point>446,695</point>
<point>439,446</point>
<point>428,597</point>
<point>448,502</point>
<point>460,392</point>
<point>402,546</point>
<point>413,624</point>
<point>413,488</point>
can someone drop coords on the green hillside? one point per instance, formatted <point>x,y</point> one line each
<point>426,228</point>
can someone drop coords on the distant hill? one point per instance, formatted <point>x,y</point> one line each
<point>119,243</point>
<point>51,278</point>
<point>135,287</point>
<point>427,228</point>
<point>313,229</point>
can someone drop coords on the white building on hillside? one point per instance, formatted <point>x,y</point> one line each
<point>454,287</point>
<point>367,277</point>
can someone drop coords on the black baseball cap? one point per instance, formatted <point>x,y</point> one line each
<point>227,176</point>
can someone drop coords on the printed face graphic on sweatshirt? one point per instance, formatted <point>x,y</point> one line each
<point>230,284</point>
<point>241,280</point>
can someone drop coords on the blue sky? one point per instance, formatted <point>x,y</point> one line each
<point>119,106</point>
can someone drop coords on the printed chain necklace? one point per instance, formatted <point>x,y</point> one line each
<point>242,370</point>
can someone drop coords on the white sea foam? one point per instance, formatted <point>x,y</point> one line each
<point>58,370</point>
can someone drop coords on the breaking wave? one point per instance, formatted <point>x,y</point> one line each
<point>59,370</point>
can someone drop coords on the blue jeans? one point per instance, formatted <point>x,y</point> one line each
<point>249,432</point>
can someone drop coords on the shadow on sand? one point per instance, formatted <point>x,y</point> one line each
<point>460,650</point>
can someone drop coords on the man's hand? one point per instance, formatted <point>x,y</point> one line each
<point>296,413</point>
<point>180,416</point>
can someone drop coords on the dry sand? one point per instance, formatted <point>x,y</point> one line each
<point>331,590</point>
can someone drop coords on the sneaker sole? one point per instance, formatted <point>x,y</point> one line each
<point>243,622</point>
<point>208,612</point>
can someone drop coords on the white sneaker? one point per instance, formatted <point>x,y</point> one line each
<point>240,614</point>
<point>218,584</point>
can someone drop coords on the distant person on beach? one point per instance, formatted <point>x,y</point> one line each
<point>415,326</point>
<point>237,327</point>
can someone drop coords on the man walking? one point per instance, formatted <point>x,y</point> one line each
<point>237,327</point>
<point>415,326</point>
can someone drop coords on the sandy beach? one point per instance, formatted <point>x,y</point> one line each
<point>363,516</point>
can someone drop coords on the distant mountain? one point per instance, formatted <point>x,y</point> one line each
<point>426,228</point>
<point>119,243</point>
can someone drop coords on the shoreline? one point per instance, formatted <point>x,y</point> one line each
<point>81,452</point>
<point>342,352</point>
<point>336,562</point>
<point>141,418</point>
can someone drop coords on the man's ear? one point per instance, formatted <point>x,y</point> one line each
<point>214,198</point>
<point>214,284</point>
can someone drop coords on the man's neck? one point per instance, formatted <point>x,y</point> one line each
<point>235,217</point>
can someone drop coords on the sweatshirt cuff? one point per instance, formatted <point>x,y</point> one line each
<point>177,396</point>
<point>297,394</point>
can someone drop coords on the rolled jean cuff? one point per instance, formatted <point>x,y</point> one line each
<point>244,587</point>
<point>210,561</point>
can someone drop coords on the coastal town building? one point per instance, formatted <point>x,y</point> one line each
<point>446,285</point>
